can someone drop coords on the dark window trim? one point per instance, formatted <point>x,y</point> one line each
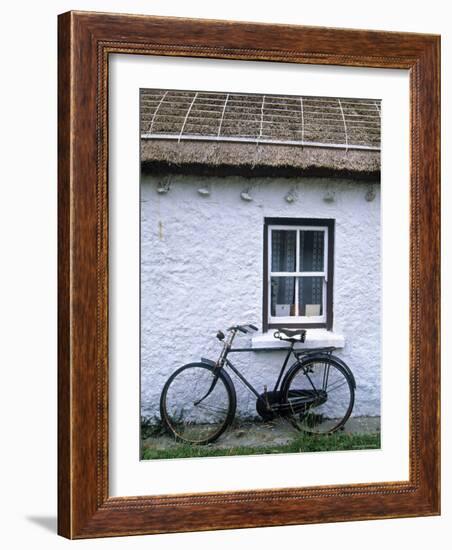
<point>324,222</point>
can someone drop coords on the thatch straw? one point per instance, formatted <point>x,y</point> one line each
<point>245,159</point>
<point>344,122</point>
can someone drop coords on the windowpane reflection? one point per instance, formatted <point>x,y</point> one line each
<point>282,296</point>
<point>284,250</point>
<point>311,250</point>
<point>310,296</point>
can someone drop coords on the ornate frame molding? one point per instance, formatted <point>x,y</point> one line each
<point>85,42</point>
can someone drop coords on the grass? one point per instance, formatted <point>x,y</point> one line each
<point>152,427</point>
<point>302,443</point>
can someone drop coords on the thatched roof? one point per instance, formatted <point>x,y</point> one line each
<point>253,134</point>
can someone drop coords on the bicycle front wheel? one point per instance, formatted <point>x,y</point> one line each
<point>197,403</point>
<point>318,396</point>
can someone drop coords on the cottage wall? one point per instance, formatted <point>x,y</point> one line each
<point>201,270</point>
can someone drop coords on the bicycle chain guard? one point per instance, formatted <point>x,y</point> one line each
<point>269,405</point>
<point>265,402</point>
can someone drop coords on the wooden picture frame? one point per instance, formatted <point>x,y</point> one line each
<point>85,508</point>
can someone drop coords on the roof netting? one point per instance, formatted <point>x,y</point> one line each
<point>348,123</point>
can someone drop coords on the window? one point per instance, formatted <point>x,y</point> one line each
<point>298,272</point>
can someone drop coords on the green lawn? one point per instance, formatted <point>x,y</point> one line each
<point>300,444</point>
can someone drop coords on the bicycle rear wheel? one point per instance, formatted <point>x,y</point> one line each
<point>318,396</point>
<point>197,403</point>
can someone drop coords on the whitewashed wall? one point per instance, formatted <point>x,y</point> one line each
<point>201,270</point>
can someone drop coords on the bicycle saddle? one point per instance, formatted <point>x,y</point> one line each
<point>290,335</point>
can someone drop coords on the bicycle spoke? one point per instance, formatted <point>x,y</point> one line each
<point>337,385</point>
<point>211,408</point>
<point>310,381</point>
<point>189,420</point>
<point>309,406</point>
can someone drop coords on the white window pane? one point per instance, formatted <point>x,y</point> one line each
<point>282,302</point>
<point>283,250</point>
<point>312,250</point>
<point>310,296</point>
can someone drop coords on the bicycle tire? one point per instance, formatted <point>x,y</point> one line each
<point>185,419</point>
<point>313,406</point>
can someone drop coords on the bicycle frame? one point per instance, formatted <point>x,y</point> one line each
<point>227,349</point>
<point>290,351</point>
<point>243,378</point>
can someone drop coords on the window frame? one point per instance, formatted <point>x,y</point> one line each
<point>328,225</point>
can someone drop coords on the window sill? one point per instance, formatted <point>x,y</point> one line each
<point>315,338</point>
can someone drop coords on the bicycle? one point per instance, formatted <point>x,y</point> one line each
<point>316,394</point>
